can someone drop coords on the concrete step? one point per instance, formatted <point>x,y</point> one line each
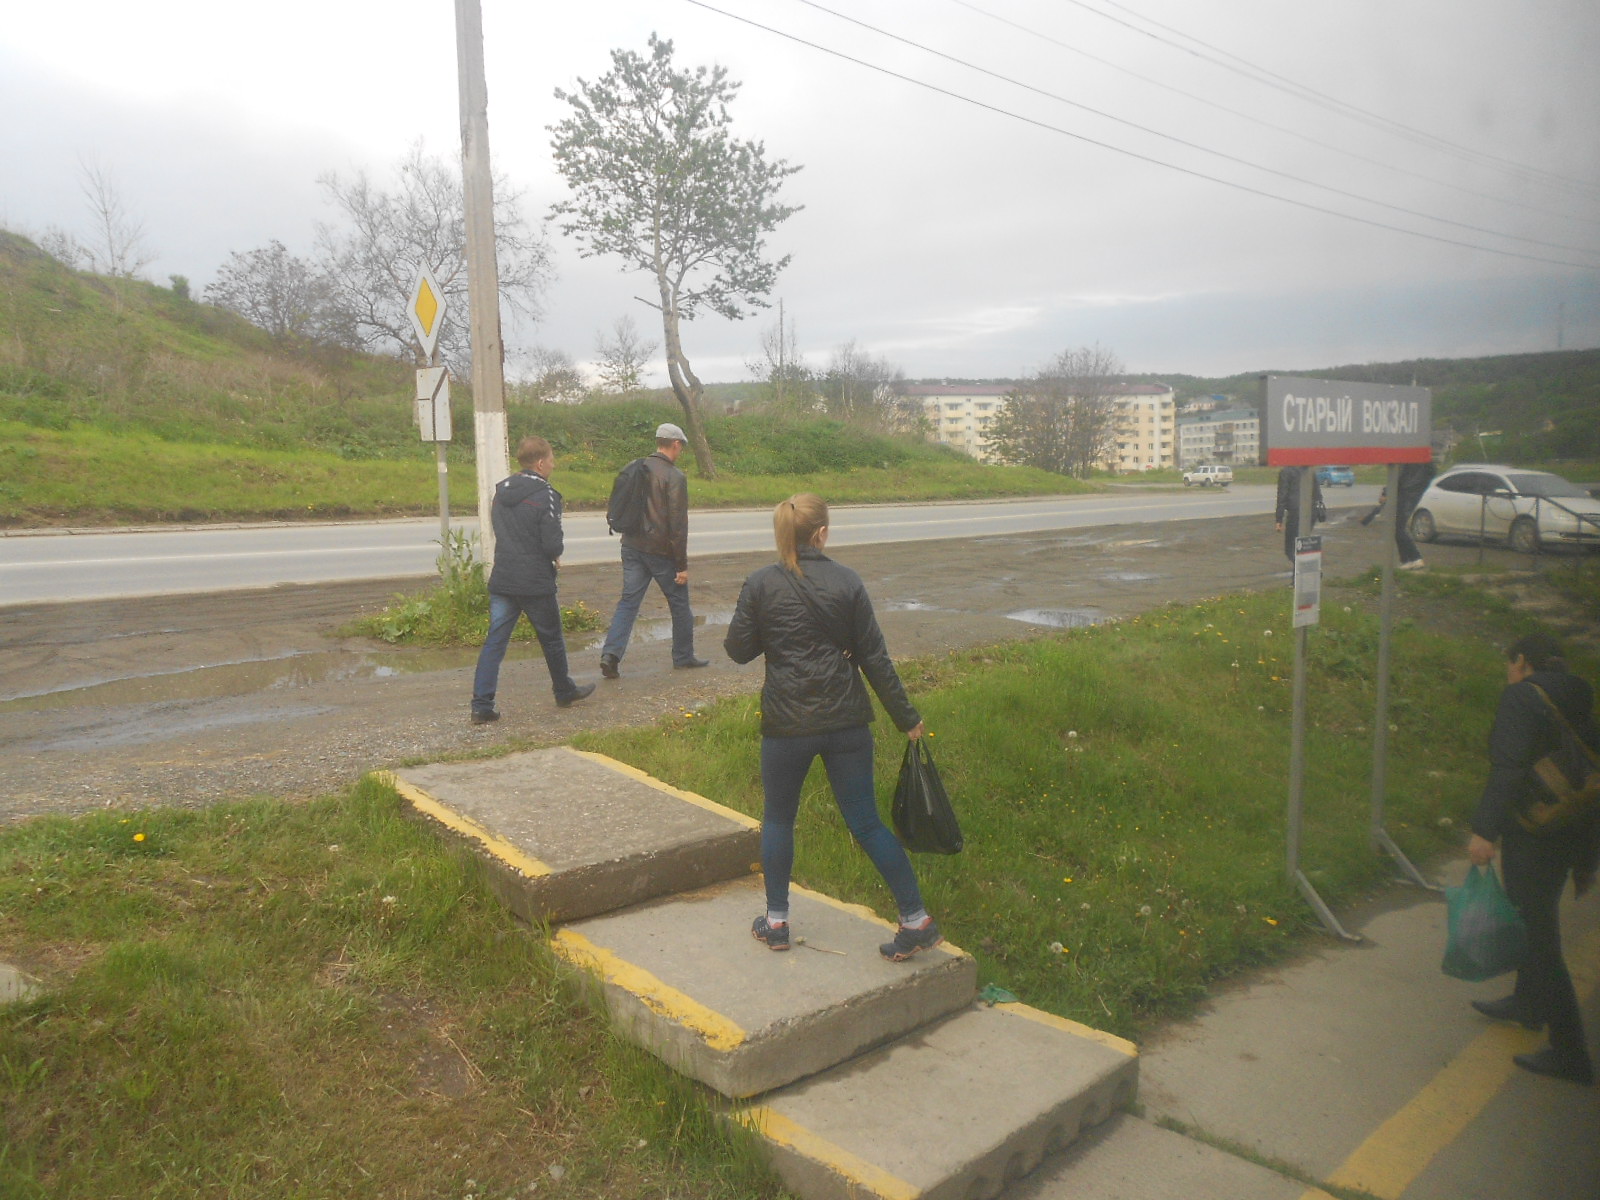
<point>956,1111</point>
<point>568,834</point>
<point>684,978</point>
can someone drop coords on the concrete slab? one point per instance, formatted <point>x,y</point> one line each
<point>1130,1159</point>
<point>14,985</point>
<point>684,978</point>
<point>956,1111</point>
<point>568,834</point>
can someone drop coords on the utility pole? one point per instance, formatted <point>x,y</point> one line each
<point>483,273</point>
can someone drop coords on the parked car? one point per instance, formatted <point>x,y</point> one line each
<point>1525,509</point>
<point>1336,477</point>
<point>1208,476</point>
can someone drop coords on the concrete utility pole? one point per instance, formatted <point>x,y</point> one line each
<point>483,273</point>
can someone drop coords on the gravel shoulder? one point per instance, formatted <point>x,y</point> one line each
<point>191,699</point>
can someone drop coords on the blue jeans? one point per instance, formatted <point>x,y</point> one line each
<point>544,614</point>
<point>638,569</point>
<point>847,757</point>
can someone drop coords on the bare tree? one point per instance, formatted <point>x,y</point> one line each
<point>117,247</point>
<point>658,181</point>
<point>1063,418</point>
<point>554,379</point>
<point>864,389</point>
<point>271,288</point>
<point>783,367</point>
<point>372,259</point>
<point>622,358</point>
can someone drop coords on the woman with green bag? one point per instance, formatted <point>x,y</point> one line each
<point>1536,863</point>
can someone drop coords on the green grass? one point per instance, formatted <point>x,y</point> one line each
<point>1123,792</point>
<point>265,1000</point>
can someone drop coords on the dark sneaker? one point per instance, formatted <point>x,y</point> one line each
<point>1554,1063</point>
<point>608,666</point>
<point>1507,1010</point>
<point>693,662</point>
<point>583,692</point>
<point>775,936</point>
<point>484,718</point>
<point>908,942</point>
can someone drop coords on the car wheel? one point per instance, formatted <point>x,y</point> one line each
<point>1524,536</point>
<point>1422,527</point>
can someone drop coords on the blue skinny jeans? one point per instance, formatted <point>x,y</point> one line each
<point>847,757</point>
<point>544,614</point>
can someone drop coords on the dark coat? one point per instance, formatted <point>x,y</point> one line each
<point>666,514</point>
<point>811,687</point>
<point>1524,731</point>
<point>527,536</point>
<point>1289,498</point>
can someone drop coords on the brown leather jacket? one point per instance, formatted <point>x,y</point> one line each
<point>666,514</point>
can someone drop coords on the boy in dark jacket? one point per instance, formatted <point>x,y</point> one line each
<point>527,553</point>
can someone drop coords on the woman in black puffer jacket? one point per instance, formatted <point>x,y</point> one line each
<point>812,619</point>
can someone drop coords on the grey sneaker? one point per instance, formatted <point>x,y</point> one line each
<point>775,936</point>
<point>909,942</point>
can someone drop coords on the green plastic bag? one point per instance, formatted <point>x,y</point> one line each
<point>1487,936</point>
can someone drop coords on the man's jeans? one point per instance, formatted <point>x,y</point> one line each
<point>638,569</point>
<point>544,614</point>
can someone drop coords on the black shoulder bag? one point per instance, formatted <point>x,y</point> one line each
<point>1570,774</point>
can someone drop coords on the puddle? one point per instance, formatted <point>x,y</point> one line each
<point>138,733</point>
<point>913,606</point>
<point>659,629</point>
<point>1060,618</point>
<point>1128,577</point>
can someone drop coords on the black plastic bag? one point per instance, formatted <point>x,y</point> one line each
<point>923,818</point>
<point>1486,936</point>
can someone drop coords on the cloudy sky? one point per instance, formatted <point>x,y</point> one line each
<point>1201,186</point>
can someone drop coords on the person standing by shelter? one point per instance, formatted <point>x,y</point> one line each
<point>1414,480</point>
<point>658,551</point>
<point>812,620</point>
<point>1287,513</point>
<point>527,550</point>
<point>1536,864</point>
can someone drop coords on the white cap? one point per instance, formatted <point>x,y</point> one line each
<point>672,432</point>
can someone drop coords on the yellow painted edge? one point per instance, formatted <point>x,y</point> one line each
<point>1018,1009</point>
<point>861,910</point>
<point>719,1032</point>
<point>465,825</point>
<point>1402,1147</point>
<point>776,1127</point>
<point>697,800</point>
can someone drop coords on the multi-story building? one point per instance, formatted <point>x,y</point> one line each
<point>1231,436</point>
<point>961,414</point>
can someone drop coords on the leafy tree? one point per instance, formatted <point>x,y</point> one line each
<point>275,290</point>
<point>622,358</point>
<point>555,380</point>
<point>371,260</point>
<point>1063,418</point>
<point>658,180</point>
<point>860,388</point>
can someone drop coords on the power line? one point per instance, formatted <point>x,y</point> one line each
<point>1242,187</point>
<point>1294,87</point>
<point>1262,121</point>
<point>1244,162</point>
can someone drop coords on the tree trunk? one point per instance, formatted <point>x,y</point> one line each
<point>687,388</point>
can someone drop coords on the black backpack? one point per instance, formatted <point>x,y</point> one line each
<point>1571,777</point>
<point>625,511</point>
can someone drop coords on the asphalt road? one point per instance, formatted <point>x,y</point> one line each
<point>91,565</point>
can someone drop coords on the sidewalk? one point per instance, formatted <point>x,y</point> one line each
<point>1362,1066</point>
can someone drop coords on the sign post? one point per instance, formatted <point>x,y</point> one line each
<point>1311,422</point>
<point>427,309</point>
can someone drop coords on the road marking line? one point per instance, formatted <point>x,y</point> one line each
<point>776,1127</point>
<point>622,768</point>
<point>1087,1032</point>
<point>1402,1147</point>
<point>492,842</point>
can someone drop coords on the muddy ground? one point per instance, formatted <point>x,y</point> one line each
<point>191,699</point>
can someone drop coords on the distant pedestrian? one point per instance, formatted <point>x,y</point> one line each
<point>659,551</point>
<point>1536,865</point>
<point>527,551</point>
<point>1414,480</point>
<point>1287,513</point>
<point>813,621</point>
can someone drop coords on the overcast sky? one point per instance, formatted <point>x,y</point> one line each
<point>1138,195</point>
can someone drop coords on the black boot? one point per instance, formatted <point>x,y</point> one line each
<point>1558,1065</point>
<point>1507,1010</point>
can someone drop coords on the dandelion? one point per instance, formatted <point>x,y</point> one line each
<point>1067,879</point>
<point>138,837</point>
<point>1445,822</point>
<point>1144,910</point>
<point>1072,733</point>
<point>333,849</point>
<point>1057,948</point>
<point>391,900</point>
<point>1084,906</point>
<point>1266,633</point>
<point>1270,920</point>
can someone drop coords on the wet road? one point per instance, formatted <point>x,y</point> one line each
<point>37,568</point>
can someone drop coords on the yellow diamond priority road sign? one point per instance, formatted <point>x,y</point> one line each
<point>427,309</point>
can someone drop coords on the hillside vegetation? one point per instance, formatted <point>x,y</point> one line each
<point>123,401</point>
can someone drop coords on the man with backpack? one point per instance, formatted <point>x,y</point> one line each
<point>650,508</point>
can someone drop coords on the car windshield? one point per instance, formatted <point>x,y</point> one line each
<point>1542,484</point>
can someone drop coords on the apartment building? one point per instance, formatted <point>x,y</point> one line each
<point>1231,436</point>
<point>960,414</point>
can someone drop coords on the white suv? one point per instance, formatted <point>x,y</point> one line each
<point>1219,476</point>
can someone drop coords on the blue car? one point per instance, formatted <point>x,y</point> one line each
<point>1336,477</point>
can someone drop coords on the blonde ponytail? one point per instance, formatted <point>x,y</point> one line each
<point>795,523</point>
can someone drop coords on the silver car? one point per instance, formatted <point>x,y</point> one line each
<point>1525,509</point>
